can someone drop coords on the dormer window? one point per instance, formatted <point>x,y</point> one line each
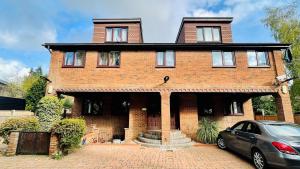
<point>208,34</point>
<point>117,34</point>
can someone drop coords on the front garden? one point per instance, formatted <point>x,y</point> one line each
<point>49,113</point>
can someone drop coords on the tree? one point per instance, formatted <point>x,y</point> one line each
<point>12,90</point>
<point>284,23</point>
<point>266,104</point>
<point>35,93</point>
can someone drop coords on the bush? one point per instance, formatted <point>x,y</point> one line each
<point>22,124</point>
<point>67,103</point>
<point>49,111</point>
<point>69,131</point>
<point>208,132</point>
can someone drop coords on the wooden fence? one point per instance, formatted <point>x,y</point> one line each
<point>33,143</point>
<point>260,117</point>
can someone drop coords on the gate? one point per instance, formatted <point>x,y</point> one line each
<point>33,143</point>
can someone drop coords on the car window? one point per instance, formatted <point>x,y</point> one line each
<point>238,126</point>
<point>252,128</point>
<point>286,130</point>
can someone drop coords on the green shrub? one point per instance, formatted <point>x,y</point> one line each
<point>208,131</point>
<point>57,155</point>
<point>67,103</point>
<point>22,124</point>
<point>49,111</point>
<point>70,131</point>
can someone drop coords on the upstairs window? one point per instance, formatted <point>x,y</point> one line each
<point>116,34</point>
<point>165,59</point>
<point>223,59</point>
<point>74,59</point>
<point>208,34</point>
<point>109,59</point>
<point>258,59</point>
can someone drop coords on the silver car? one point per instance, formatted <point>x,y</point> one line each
<point>267,143</point>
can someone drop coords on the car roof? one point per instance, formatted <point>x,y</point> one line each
<point>268,122</point>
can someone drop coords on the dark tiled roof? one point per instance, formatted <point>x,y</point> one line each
<point>162,46</point>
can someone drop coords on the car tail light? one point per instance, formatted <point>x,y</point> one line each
<point>284,148</point>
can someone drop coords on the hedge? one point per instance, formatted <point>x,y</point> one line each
<point>22,124</point>
<point>70,131</point>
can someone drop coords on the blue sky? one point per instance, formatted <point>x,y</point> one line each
<point>25,25</point>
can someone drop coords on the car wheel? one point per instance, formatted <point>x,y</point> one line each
<point>259,160</point>
<point>221,143</point>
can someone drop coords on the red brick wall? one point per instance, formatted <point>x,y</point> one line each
<point>107,124</point>
<point>134,32</point>
<point>188,33</point>
<point>137,70</point>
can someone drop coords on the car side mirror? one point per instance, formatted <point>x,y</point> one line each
<point>228,129</point>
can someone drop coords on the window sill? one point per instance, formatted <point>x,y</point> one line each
<point>116,42</point>
<point>240,114</point>
<point>72,66</point>
<point>209,42</point>
<point>164,66</point>
<point>223,66</point>
<point>108,67</point>
<point>259,66</point>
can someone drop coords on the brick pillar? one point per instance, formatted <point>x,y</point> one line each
<point>137,117</point>
<point>76,108</point>
<point>284,107</point>
<point>54,144</point>
<point>248,110</point>
<point>13,143</point>
<point>165,117</point>
<point>188,114</point>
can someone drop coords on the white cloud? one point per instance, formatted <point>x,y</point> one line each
<point>239,9</point>
<point>12,70</point>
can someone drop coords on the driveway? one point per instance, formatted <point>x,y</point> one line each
<point>133,157</point>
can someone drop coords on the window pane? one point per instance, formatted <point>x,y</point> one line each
<point>170,58</point>
<point>200,34</point>
<point>262,59</point>
<point>216,33</point>
<point>69,58</point>
<point>217,58</point>
<point>208,34</point>
<point>103,60</point>
<point>79,57</point>
<point>252,58</point>
<point>114,58</point>
<point>124,34</point>
<point>117,34</point>
<point>228,59</point>
<point>160,58</point>
<point>108,34</point>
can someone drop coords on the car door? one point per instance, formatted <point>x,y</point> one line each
<point>231,140</point>
<point>246,138</point>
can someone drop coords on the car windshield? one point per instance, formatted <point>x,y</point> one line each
<point>284,129</point>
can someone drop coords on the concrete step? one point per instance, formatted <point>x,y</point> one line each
<point>151,136</point>
<point>147,140</point>
<point>165,147</point>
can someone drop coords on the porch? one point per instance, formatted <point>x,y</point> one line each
<point>125,115</point>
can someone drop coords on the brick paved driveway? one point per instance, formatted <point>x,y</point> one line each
<point>134,157</point>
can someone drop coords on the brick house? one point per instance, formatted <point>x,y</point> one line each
<point>123,86</point>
